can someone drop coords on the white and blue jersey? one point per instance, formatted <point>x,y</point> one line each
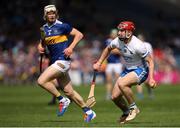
<point>56,39</point>
<point>133,54</point>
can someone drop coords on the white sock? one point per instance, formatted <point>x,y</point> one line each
<point>89,112</point>
<point>133,105</point>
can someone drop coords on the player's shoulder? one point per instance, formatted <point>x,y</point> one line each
<point>147,44</point>
<point>41,28</point>
<point>136,42</point>
<point>58,22</point>
<point>62,24</point>
<point>116,40</point>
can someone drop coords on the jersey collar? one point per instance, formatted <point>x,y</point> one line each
<point>57,21</point>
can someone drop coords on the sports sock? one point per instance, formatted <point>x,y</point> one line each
<point>133,105</point>
<point>126,112</point>
<point>86,109</point>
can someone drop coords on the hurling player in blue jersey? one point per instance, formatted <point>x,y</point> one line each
<point>54,35</point>
<point>114,66</point>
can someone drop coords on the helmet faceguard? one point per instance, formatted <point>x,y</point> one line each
<point>128,27</point>
<point>49,8</point>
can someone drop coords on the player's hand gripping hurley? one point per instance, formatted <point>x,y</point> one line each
<point>91,101</point>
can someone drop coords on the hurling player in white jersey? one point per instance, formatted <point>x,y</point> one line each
<point>139,88</point>
<point>136,70</point>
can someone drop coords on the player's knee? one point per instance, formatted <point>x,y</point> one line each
<point>40,82</point>
<point>69,93</point>
<point>114,97</point>
<point>121,85</point>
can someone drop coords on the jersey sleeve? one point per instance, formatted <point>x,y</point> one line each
<point>142,50</point>
<point>149,48</point>
<point>67,28</point>
<point>114,43</point>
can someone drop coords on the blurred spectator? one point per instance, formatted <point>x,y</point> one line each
<point>75,71</point>
<point>167,70</point>
<point>20,22</point>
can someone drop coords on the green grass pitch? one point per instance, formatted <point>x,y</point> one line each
<point>26,106</point>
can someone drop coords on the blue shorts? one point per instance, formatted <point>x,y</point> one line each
<point>142,73</point>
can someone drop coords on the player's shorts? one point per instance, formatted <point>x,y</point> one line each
<point>114,67</point>
<point>61,65</point>
<point>142,73</point>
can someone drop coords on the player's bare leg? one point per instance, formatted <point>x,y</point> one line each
<point>139,90</point>
<point>109,85</point>
<point>150,91</point>
<point>116,76</point>
<point>125,84</point>
<point>53,100</point>
<point>46,78</point>
<point>67,88</point>
<point>120,102</point>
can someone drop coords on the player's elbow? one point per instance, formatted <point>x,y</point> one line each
<point>114,97</point>
<point>76,33</point>
<point>80,35</point>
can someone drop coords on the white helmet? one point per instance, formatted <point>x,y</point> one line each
<point>49,8</point>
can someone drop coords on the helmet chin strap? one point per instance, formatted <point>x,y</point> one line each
<point>127,36</point>
<point>122,39</point>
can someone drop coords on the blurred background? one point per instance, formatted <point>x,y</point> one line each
<point>157,20</point>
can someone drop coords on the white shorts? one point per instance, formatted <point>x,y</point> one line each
<point>62,65</point>
<point>116,68</point>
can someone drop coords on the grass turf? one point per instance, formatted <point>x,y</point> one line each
<point>23,106</point>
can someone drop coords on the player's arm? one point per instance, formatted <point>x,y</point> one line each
<point>41,45</point>
<point>150,62</point>
<point>103,56</point>
<point>116,51</point>
<point>77,37</point>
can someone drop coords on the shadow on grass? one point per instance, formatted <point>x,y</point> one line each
<point>49,121</point>
<point>138,123</point>
<point>79,123</point>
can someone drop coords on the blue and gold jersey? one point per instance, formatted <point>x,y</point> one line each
<point>55,37</point>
